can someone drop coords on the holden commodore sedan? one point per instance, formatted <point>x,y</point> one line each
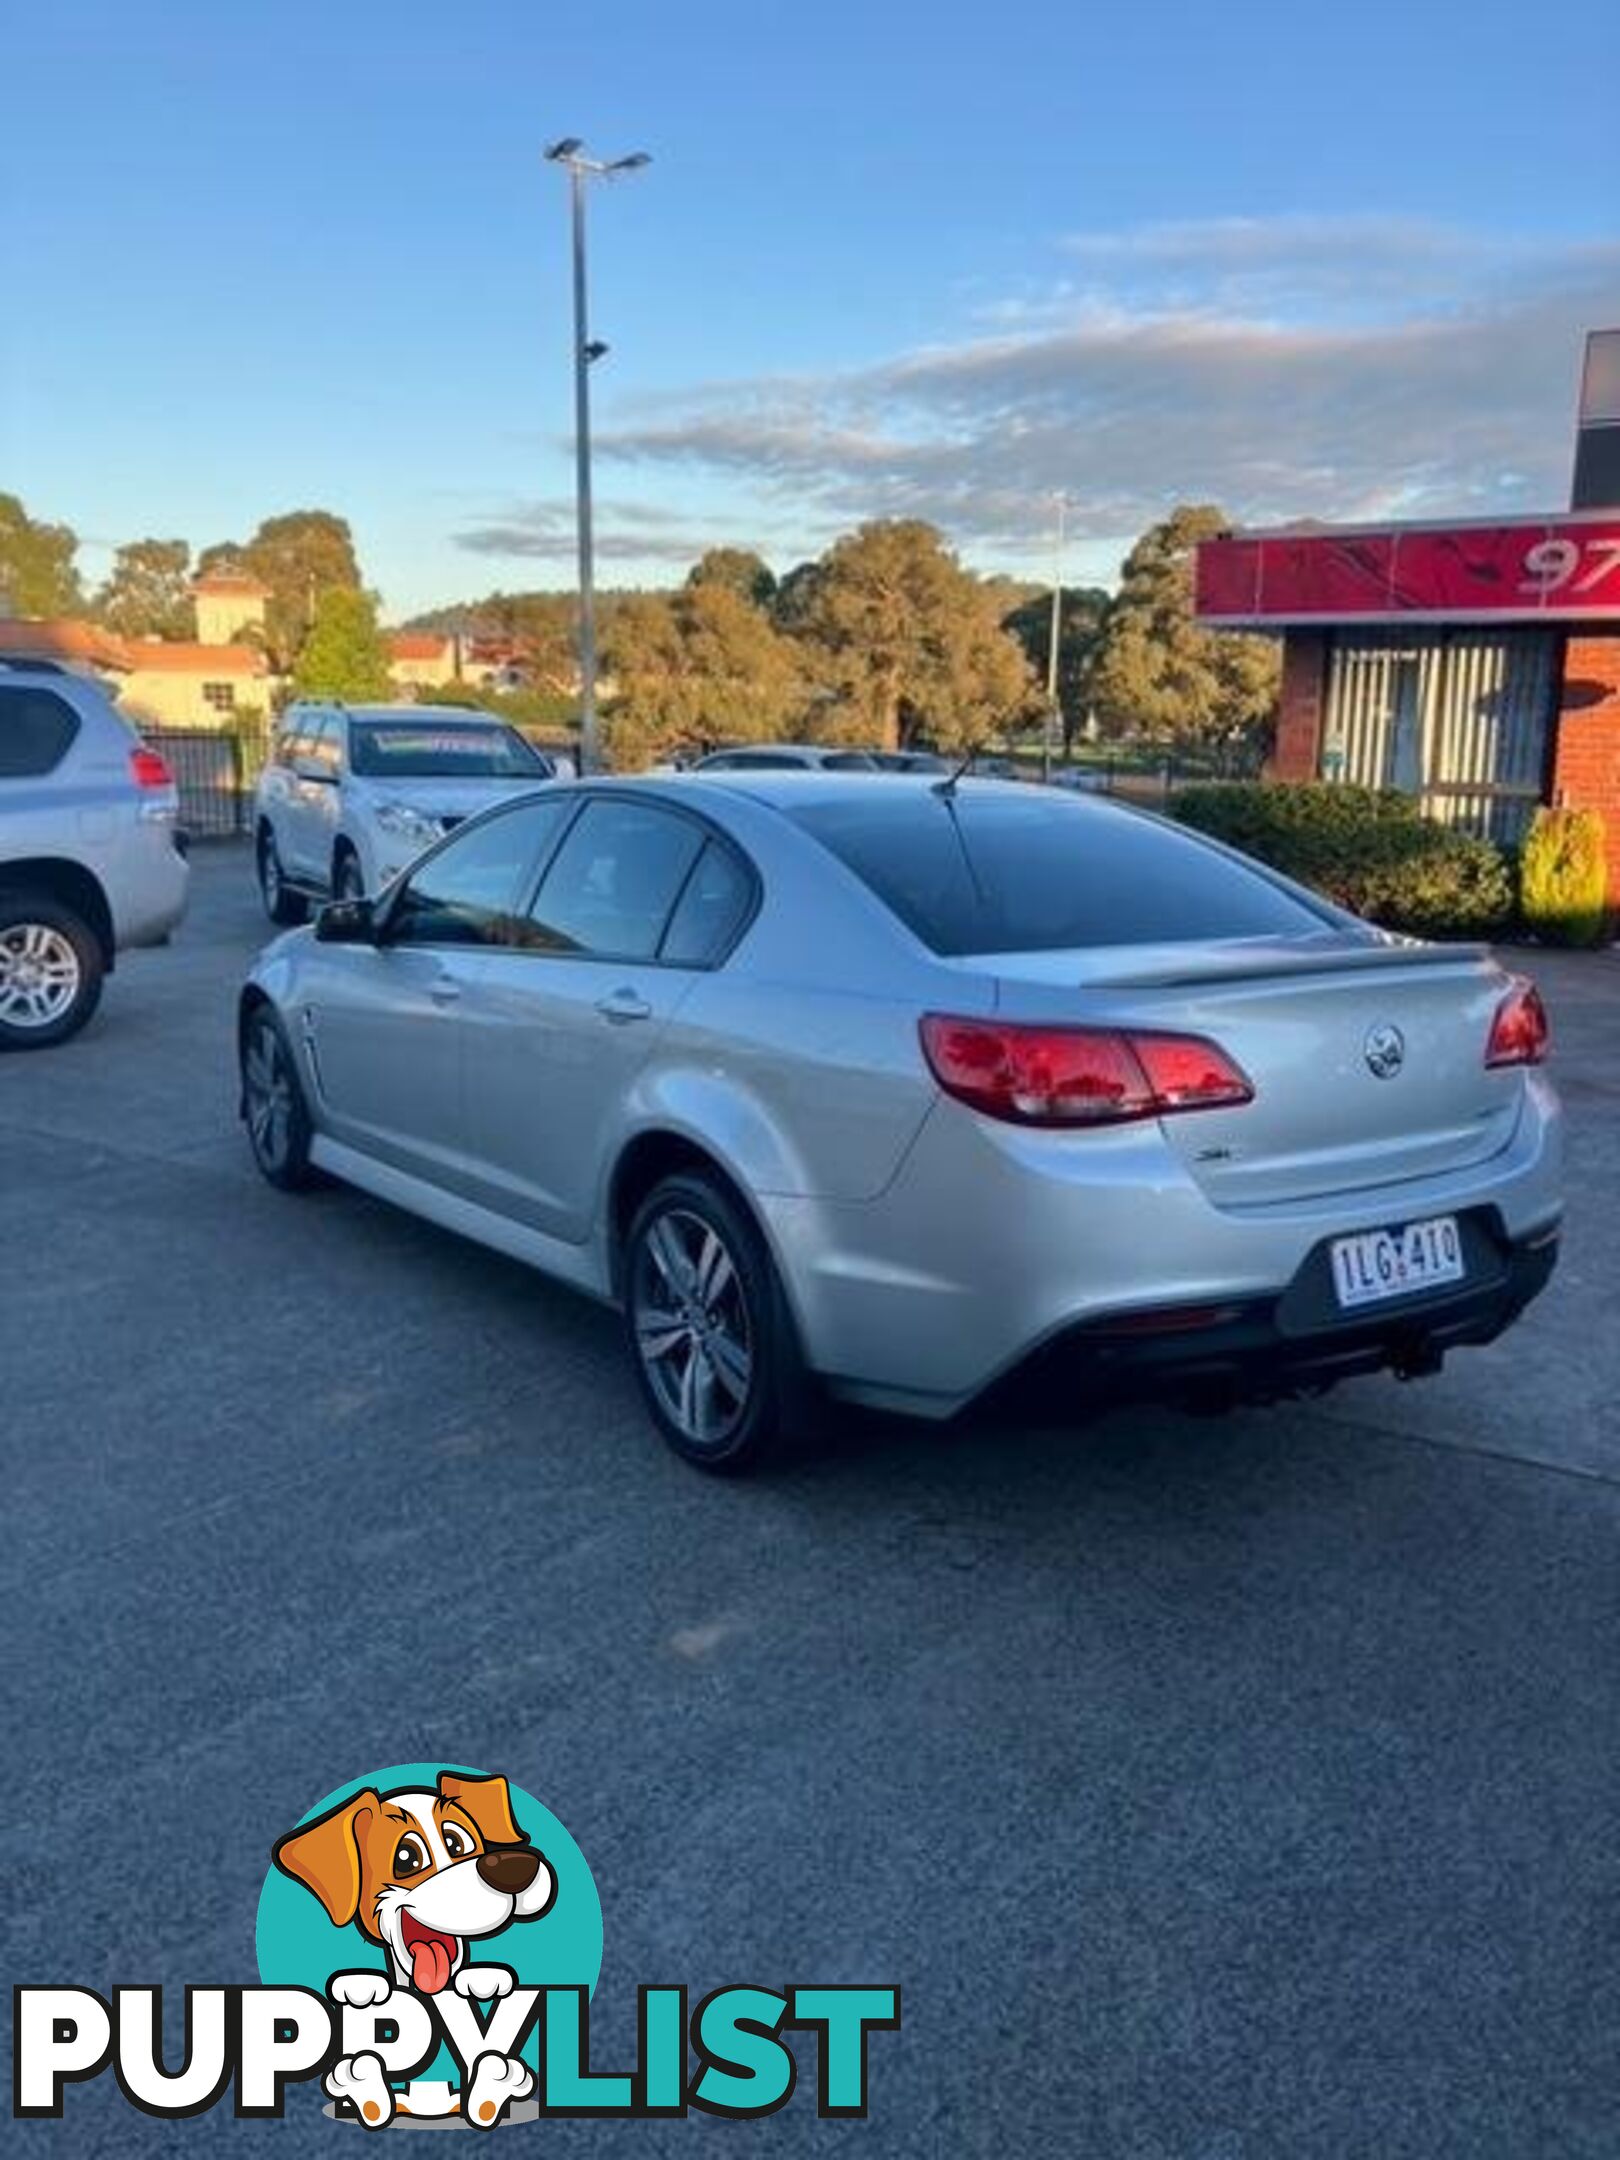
<point>879,1088</point>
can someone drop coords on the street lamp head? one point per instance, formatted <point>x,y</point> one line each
<point>568,146</point>
<point>632,163</point>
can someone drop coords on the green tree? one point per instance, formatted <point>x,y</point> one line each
<point>148,593</point>
<point>1156,672</point>
<point>905,644</point>
<point>38,575</point>
<point>694,668</point>
<point>344,655</point>
<point>300,556</point>
<point>740,570</point>
<point>1084,610</point>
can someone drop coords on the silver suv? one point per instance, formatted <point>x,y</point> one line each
<point>90,851</point>
<point>352,794</point>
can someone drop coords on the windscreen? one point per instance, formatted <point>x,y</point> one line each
<point>416,750</point>
<point>1032,872</point>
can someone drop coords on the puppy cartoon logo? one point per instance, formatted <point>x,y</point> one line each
<point>434,1876</point>
<point>425,1873</point>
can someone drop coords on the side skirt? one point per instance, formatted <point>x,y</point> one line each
<point>577,1265</point>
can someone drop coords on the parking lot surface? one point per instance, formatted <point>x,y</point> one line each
<point>1210,1788</point>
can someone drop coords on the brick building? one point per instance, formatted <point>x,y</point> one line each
<point>1476,666</point>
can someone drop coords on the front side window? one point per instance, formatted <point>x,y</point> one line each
<point>424,750</point>
<point>36,727</point>
<point>615,879</point>
<point>468,892</point>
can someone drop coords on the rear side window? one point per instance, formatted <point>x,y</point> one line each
<point>714,900</point>
<point>36,727</point>
<point>614,880</point>
<point>1035,872</point>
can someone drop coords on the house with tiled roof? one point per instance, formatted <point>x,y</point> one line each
<point>421,659</point>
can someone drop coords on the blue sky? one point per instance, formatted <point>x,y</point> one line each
<point>889,258</point>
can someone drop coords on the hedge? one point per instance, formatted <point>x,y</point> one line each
<point>1564,877</point>
<point>1368,849</point>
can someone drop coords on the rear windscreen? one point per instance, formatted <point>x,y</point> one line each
<point>1034,872</point>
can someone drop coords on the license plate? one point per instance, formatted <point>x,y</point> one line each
<point>1393,1263</point>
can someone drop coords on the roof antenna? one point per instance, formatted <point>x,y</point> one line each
<point>946,788</point>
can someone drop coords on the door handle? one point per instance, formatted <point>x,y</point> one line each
<point>623,1005</point>
<point>444,990</point>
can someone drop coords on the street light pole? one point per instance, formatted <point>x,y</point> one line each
<point>590,745</point>
<point>570,153</point>
<point>1052,651</point>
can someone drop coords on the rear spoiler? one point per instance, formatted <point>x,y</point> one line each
<point>1278,964</point>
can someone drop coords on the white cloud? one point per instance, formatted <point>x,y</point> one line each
<point>1285,368</point>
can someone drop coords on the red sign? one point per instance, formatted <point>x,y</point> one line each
<point>1541,569</point>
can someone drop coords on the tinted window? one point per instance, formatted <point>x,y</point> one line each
<point>755,761</point>
<point>468,893</point>
<point>36,727</point>
<point>321,748</point>
<point>710,911</point>
<point>442,750</point>
<point>614,881</point>
<point>1037,873</point>
<point>850,761</point>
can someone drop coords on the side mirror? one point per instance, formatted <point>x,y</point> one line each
<point>347,922</point>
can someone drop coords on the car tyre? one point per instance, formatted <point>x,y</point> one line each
<point>51,970</point>
<point>710,1333</point>
<point>273,1106</point>
<point>281,903</point>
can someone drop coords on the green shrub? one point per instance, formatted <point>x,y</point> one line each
<point>1564,877</point>
<point>1367,849</point>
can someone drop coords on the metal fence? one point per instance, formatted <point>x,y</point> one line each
<point>215,770</point>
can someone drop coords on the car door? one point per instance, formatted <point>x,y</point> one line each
<point>384,1022</point>
<point>311,803</point>
<point>563,1019</point>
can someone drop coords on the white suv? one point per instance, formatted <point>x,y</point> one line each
<point>352,794</point>
<point>90,851</point>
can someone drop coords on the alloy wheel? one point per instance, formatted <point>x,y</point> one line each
<point>691,1325</point>
<point>267,1096</point>
<point>40,975</point>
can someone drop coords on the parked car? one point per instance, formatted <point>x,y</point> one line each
<point>91,858</point>
<point>887,1086</point>
<point>911,761</point>
<point>786,757</point>
<point>351,794</point>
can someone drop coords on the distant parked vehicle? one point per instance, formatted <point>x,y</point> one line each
<point>352,794</point>
<point>1085,778</point>
<point>91,859</point>
<point>913,761</point>
<point>786,757</point>
<point>890,1084</point>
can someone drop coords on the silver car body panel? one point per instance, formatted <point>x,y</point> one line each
<point>923,1247</point>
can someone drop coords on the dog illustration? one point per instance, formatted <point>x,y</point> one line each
<point>423,1874</point>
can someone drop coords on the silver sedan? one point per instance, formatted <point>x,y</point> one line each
<point>879,1088</point>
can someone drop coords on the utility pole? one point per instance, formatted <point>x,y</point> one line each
<point>1052,708</point>
<point>569,152</point>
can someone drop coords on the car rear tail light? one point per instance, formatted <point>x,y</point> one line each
<point>1520,1034</point>
<point>1077,1076</point>
<point>148,769</point>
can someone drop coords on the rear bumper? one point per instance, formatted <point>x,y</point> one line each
<point>992,1243</point>
<point>150,898</point>
<point>1270,1348</point>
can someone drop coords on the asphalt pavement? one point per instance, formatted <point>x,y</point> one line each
<point>1213,1789</point>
